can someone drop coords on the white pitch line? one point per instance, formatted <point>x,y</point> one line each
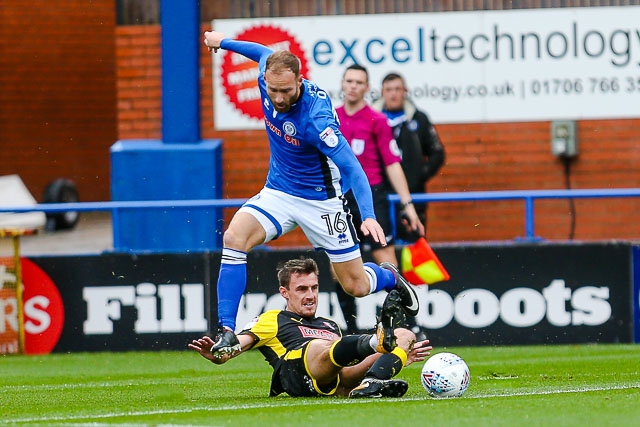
<point>309,401</point>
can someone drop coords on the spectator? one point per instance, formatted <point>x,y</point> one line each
<point>420,147</point>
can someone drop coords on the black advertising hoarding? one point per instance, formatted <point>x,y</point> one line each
<point>498,295</point>
<point>531,294</point>
<point>122,302</point>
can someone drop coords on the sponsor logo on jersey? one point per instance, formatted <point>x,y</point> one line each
<point>273,128</point>
<point>309,332</point>
<point>329,137</point>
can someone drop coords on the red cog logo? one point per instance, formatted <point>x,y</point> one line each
<point>240,75</point>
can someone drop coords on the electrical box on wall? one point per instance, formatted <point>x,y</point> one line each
<point>563,138</point>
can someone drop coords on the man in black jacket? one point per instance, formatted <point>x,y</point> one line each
<point>421,148</point>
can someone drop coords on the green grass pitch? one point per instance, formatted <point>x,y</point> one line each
<point>573,385</point>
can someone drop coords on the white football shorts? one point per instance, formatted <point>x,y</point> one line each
<point>324,222</point>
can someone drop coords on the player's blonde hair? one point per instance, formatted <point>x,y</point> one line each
<point>283,60</point>
<point>296,266</point>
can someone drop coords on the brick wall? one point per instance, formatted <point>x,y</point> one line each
<point>517,156</point>
<point>69,93</point>
<point>488,156</point>
<point>57,97</point>
<point>139,74</point>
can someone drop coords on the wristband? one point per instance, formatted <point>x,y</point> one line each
<point>403,206</point>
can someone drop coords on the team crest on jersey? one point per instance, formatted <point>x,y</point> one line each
<point>357,146</point>
<point>329,137</point>
<point>289,128</point>
<point>328,325</point>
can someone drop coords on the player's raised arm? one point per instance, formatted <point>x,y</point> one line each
<point>215,40</point>
<point>212,40</point>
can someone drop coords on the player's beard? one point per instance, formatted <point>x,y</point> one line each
<point>283,108</point>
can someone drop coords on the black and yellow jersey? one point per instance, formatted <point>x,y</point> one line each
<point>280,331</point>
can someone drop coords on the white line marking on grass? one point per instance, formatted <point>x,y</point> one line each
<point>561,391</point>
<point>293,402</point>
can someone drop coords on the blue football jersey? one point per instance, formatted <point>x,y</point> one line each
<point>303,140</point>
<point>310,158</point>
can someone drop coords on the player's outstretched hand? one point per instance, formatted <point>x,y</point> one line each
<point>212,40</point>
<point>420,351</point>
<point>371,227</point>
<point>203,346</point>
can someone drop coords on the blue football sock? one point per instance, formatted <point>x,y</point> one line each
<point>383,278</point>
<point>232,282</point>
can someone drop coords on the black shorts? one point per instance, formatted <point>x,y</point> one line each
<point>380,208</point>
<point>290,376</point>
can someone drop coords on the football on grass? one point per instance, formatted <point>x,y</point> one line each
<point>445,375</point>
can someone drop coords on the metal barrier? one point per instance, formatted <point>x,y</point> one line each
<point>116,207</point>
<point>528,196</point>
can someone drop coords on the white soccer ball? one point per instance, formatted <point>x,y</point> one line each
<point>445,375</point>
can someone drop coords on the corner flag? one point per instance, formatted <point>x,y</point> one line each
<point>420,265</point>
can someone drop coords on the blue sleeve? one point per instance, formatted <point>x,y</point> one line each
<point>355,179</point>
<point>324,128</point>
<point>254,51</point>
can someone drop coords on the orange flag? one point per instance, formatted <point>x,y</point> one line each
<point>420,265</point>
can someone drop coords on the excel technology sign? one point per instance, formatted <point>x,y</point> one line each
<point>461,67</point>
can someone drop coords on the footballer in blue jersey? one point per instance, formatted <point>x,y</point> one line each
<point>310,165</point>
<point>304,139</point>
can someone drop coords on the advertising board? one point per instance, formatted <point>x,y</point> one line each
<point>461,67</point>
<point>512,294</point>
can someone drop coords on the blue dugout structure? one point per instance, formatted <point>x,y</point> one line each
<point>181,166</point>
